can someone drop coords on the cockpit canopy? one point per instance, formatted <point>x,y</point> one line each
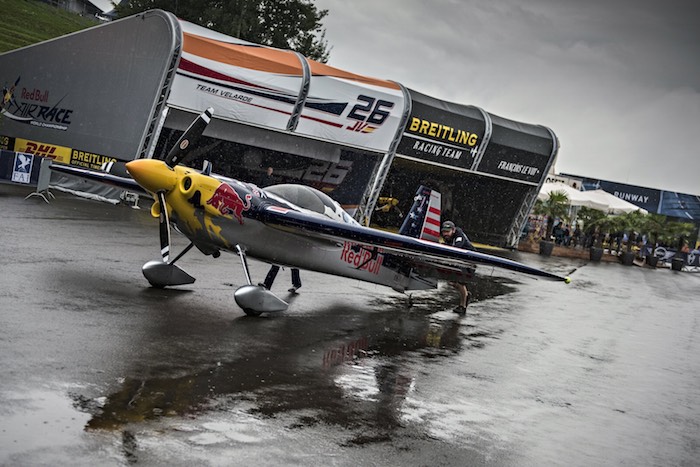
<point>311,199</point>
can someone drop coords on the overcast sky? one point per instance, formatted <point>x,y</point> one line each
<point>617,81</point>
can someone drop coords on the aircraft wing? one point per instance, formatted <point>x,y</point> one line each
<point>434,258</point>
<point>126,183</point>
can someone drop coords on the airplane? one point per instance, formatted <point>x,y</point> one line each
<point>287,225</point>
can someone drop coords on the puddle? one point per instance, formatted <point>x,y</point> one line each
<point>38,419</point>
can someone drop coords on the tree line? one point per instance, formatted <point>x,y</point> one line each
<point>284,24</point>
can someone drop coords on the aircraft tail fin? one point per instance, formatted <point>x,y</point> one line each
<point>423,221</point>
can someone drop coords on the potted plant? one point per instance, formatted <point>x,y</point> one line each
<point>593,223</point>
<point>630,223</point>
<point>556,205</point>
<point>677,232</point>
<point>654,226</point>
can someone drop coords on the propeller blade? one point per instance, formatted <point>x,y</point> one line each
<point>178,153</point>
<point>164,228</point>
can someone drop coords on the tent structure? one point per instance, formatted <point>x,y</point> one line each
<point>594,199</point>
<point>615,205</point>
<point>576,197</point>
<point>353,136</point>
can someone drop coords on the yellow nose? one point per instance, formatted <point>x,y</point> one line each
<point>152,174</point>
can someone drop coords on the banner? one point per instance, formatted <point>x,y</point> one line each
<point>442,132</point>
<point>350,109</point>
<point>79,90</point>
<point>64,155</point>
<point>18,167</point>
<point>7,143</point>
<point>240,80</point>
<point>265,86</point>
<point>646,198</point>
<point>668,203</point>
<point>22,171</point>
<point>51,151</point>
<point>518,151</point>
<point>691,258</point>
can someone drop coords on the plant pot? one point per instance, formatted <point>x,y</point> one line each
<point>627,258</point>
<point>677,264</point>
<point>652,260</point>
<point>596,254</point>
<point>546,248</point>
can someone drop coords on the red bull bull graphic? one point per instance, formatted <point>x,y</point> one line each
<point>229,203</point>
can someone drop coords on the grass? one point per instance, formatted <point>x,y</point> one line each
<point>27,22</point>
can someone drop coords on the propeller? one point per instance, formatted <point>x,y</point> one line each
<point>179,152</point>
<point>164,222</point>
<point>166,273</point>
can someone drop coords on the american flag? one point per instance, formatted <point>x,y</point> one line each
<point>423,221</point>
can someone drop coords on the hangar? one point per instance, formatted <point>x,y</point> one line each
<point>127,89</point>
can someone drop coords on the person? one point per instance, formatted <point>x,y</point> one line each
<point>272,274</point>
<point>455,236</point>
<point>267,178</point>
<point>576,238</point>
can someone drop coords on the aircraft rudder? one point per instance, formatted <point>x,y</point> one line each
<point>423,220</point>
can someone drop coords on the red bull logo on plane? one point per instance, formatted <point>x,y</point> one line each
<point>229,203</point>
<point>360,258</point>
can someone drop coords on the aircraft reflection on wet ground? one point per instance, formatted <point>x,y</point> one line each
<point>100,369</point>
<point>353,376</point>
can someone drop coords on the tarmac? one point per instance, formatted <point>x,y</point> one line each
<point>101,369</point>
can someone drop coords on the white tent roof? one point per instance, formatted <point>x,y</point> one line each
<point>595,199</point>
<point>615,205</point>
<point>576,197</point>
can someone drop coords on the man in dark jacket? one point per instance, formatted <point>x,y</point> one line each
<point>455,236</point>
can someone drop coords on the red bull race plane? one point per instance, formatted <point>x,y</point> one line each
<point>288,225</point>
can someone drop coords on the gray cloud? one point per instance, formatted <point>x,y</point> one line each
<point>619,82</point>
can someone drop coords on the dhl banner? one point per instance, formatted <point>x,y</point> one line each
<point>62,154</point>
<point>51,151</point>
<point>283,90</point>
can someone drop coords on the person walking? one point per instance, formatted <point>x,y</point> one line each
<point>456,237</point>
<point>272,274</point>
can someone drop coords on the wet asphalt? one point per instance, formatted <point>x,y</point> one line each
<point>100,369</point>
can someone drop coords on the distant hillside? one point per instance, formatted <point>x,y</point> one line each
<point>26,22</point>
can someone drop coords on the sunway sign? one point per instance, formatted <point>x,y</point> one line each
<point>632,197</point>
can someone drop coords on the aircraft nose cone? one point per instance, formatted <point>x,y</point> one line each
<point>152,174</point>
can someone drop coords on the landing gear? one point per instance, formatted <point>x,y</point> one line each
<point>251,312</point>
<point>255,299</point>
<point>164,273</point>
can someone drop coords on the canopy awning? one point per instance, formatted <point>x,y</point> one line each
<point>615,205</point>
<point>594,199</point>
<point>576,197</point>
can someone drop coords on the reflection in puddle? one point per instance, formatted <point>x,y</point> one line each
<point>359,376</point>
